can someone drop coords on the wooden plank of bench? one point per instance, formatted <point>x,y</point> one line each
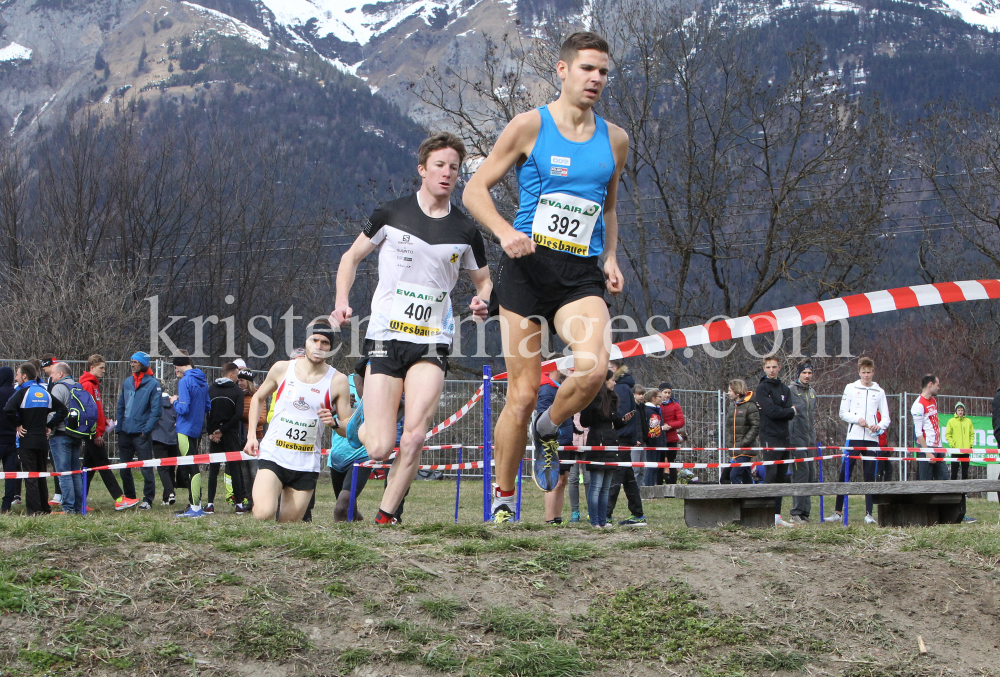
<point>719,491</point>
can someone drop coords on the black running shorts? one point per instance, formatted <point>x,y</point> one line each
<point>394,358</point>
<point>299,480</point>
<point>540,284</point>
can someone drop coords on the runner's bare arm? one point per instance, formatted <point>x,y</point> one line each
<point>346,272</point>
<point>484,288</point>
<point>512,147</point>
<point>619,146</point>
<point>340,402</point>
<point>266,389</point>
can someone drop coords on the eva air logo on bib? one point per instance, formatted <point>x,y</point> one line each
<point>296,435</point>
<point>565,223</point>
<point>417,310</point>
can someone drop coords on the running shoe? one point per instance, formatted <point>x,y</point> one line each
<point>554,520</point>
<point>209,509</point>
<point>354,425</point>
<point>17,500</point>
<point>869,519</point>
<point>799,519</point>
<point>778,522</point>
<point>970,520</point>
<point>575,517</point>
<point>124,502</point>
<point>835,517</point>
<point>169,500</point>
<point>241,509</point>
<point>545,470</point>
<point>191,512</point>
<point>502,514</point>
<point>144,505</point>
<point>56,500</point>
<point>633,522</point>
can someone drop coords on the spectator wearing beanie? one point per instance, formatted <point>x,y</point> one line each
<point>139,410</point>
<point>802,433</point>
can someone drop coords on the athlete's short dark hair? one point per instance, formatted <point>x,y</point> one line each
<point>28,371</point>
<point>437,142</point>
<point>580,41</point>
<point>927,380</point>
<point>230,367</point>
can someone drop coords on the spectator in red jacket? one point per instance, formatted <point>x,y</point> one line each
<point>95,454</point>
<point>673,422</point>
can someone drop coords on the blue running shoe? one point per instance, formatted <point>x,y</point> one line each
<point>575,517</point>
<point>545,470</point>
<point>191,512</point>
<point>354,425</point>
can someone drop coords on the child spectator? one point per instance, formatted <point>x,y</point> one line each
<point>601,416</point>
<point>673,422</point>
<point>742,424</point>
<point>653,435</point>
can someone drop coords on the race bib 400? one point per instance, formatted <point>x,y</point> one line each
<point>565,223</point>
<point>417,310</point>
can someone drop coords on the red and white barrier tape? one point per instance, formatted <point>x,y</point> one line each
<point>195,459</point>
<point>451,420</point>
<point>829,310</point>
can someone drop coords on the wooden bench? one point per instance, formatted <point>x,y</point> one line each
<point>900,504</point>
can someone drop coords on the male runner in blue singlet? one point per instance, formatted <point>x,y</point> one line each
<point>568,162</point>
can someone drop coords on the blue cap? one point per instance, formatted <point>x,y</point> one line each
<point>141,358</point>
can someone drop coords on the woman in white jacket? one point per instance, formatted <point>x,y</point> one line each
<point>866,411</point>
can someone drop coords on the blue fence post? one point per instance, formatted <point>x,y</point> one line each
<point>354,493</point>
<point>517,505</point>
<point>487,444</point>
<point>458,483</point>
<point>84,477</point>
<point>847,478</point>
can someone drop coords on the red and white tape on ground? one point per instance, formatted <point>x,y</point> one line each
<point>830,310</point>
<point>451,420</point>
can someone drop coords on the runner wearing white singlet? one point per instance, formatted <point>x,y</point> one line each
<point>423,244</point>
<point>310,393</point>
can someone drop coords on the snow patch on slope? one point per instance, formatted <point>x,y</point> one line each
<point>15,52</point>
<point>230,26</point>
<point>357,20</point>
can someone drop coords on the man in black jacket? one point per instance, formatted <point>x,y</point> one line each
<point>8,441</point>
<point>774,400</point>
<point>29,408</point>
<point>629,435</point>
<point>225,433</point>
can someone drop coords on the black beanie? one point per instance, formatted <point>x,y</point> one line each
<point>802,367</point>
<point>182,361</point>
<point>666,386</point>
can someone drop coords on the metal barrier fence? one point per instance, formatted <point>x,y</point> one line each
<point>704,411</point>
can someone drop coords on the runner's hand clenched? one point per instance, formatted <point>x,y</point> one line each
<point>480,309</point>
<point>613,276</point>
<point>340,316</point>
<point>251,448</point>
<point>516,244</point>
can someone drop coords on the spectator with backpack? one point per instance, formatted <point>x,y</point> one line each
<point>138,411</point>
<point>30,409</point>
<point>66,443</point>
<point>95,454</point>
<point>191,406</point>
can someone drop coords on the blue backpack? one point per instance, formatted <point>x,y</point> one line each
<point>81,421</point>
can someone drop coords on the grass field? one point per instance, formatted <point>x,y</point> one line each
<point>147,594</point>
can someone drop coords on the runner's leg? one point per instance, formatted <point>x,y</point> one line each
<point>293,504</point>
<point>522,347</point>
<point>582,324</point>
<point>382,395</point>
<point>266,490</point>
<point>423,385</point>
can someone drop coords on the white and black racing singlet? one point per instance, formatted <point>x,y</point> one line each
<point>419,259</point>
<point>295,432</point>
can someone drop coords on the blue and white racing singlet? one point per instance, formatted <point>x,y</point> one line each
<point>562,188</point>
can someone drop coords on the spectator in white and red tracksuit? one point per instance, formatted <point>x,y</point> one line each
<point>95,454</point>
<point>673,421</point>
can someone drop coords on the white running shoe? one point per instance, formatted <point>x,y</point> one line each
<point>778,522</point>
<point>835,517</point>
<point>870,520</point>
